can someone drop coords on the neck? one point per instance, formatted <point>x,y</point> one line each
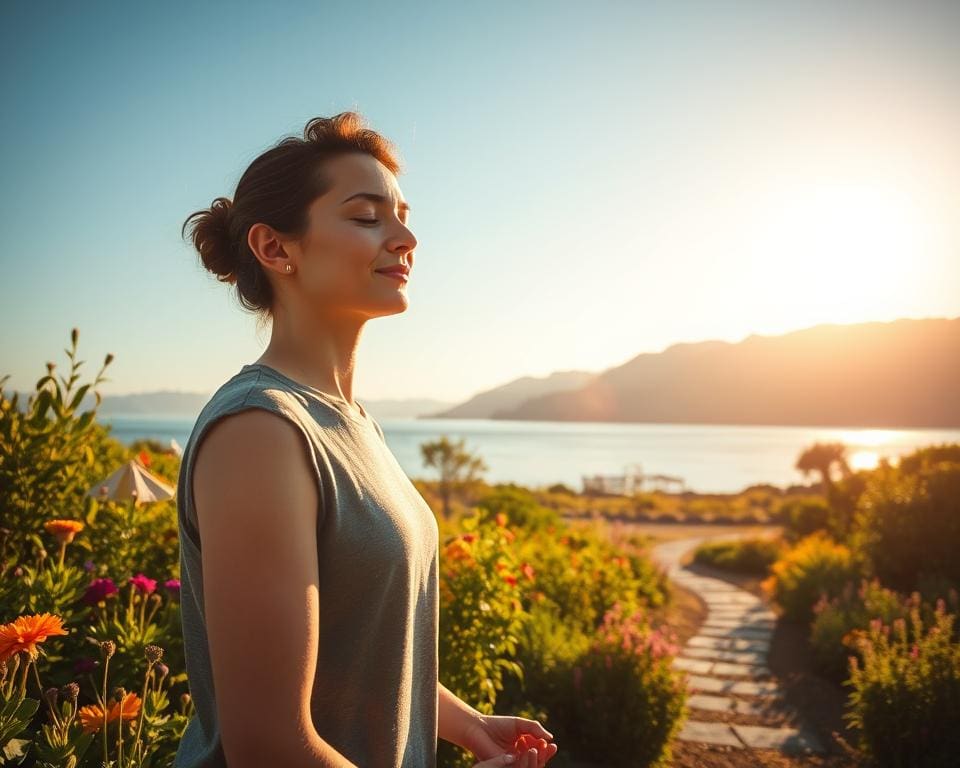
<point>319,352</point>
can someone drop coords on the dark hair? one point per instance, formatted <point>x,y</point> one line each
<point>277,189</point>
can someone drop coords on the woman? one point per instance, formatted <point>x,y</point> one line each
<point>310,612</point>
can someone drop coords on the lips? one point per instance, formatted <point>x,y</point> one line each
<point>400,272</point>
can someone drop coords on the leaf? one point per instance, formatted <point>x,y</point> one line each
<point>16,750</point>
<point>75,403</point>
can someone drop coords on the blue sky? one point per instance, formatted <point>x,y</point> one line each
<point>588,181</point>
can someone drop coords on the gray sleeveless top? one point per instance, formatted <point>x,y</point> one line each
<point>375,692</point>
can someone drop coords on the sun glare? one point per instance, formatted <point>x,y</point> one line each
<point>839,251</point>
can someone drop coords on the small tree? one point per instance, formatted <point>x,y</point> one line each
<point>821,457</point>
<point>457,467</point>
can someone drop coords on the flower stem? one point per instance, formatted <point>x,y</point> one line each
<point>106,748</point>
<point>53,712</point>
<point>143,704</point>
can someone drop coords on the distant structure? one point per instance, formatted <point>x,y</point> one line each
<point>632,481</point>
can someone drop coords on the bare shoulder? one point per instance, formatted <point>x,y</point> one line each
<point>248,459</point>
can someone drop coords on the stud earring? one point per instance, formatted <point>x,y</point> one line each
<point>289,268</point>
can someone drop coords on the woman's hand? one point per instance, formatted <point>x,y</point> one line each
<point>489,737</point>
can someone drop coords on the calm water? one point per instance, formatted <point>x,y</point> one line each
<point>709,458</point>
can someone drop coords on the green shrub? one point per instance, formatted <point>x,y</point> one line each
<point>627,701</point>
<point>753,555</point>
<point>804,515</point>
<point>481,619</point>
<point>908,522</point>
<point>815,566</point>
<point>520,505</point>
<point>836,620</point>
<point>905,697</point>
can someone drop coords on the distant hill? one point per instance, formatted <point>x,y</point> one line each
<point>898,374</point>
<point>513,394</point>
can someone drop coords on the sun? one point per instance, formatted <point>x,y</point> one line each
<point>838,251</point>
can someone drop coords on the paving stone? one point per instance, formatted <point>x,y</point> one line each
<point>711,703</point>
<point>708,684</point>
<point>730,598</point>
<point>722,623</point>
<point>699,666</point>
<point>791,740</point>
<point>751,688</point>
<point>739,621</point>
<point>749,616</point>
<point>748,633</point>
<point>718,587</point>
<point>740,657</point>
<point>709,733</point>
<point>730,643</point>
<point>733,669</point>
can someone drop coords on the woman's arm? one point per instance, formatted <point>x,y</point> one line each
<point>256,501</point>
<point>454,717</point>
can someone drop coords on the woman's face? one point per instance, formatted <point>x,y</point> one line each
<point>350,236</point>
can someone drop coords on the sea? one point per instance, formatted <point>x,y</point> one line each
<point>702,458</point>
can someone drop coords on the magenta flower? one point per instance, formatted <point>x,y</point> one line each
<point>143,584</point>
<point>173,587</point>
<point>99,589</point>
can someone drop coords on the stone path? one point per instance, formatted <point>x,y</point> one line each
<point>730,687</point>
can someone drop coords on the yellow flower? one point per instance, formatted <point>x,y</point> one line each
<point>24,632</point>
<point>91,716</point>
<point>64,530</point>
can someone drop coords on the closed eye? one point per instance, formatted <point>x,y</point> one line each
<point>367,221</point>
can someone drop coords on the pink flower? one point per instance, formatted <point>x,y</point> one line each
<point>99,589</point>
<point>143,584</point>
<point>173,587</point>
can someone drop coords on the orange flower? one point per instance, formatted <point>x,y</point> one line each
<point>24,632</point>
<point>91,716</point>
<point>510,579</point>
<point>501,519</point>
<point>64,530</point>
<point>458,549</point>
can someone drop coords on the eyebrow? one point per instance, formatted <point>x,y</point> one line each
<point>376,198</point>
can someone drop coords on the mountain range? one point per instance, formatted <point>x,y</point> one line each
<point>897,374</point>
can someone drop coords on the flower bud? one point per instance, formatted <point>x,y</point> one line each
<point>153,653</point>
<point>109,648</point>
<point>71,691</point>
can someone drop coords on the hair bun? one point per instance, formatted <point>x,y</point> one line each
<point>212,238</point>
